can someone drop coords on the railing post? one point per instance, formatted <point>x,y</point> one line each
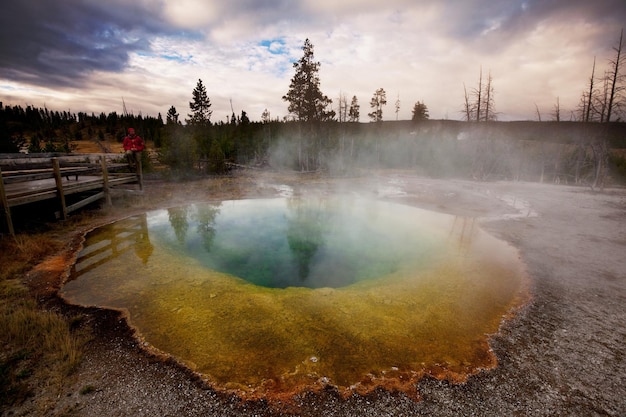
<point>5,205</point>
<point>139,171</point>
<point>105,180</point>
<point>59,182</point>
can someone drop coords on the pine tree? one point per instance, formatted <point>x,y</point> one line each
<point>172,116</point>
<point>378,101</point>
<point>420,112</point>
<point>354,112</point>
<point>306,101</point>
<point>200,107</point>
<point>265,116</point>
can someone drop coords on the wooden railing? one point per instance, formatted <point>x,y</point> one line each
<point>31,179</point>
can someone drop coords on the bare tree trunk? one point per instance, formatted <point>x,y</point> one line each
<point>479,94</point>
<point>468,107</point>
<point>587,110</point>
<point>557,110</point>
<point>538,113</point>
<point>603,101</point>
<point>615,77</point>
<point>488,99</point>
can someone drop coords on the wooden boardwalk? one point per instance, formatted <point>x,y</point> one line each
<point>33,178</point>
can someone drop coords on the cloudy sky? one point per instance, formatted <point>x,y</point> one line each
<point>93,55</point>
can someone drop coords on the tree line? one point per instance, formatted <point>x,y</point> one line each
<point>315,136</point>
<point>37,130</point>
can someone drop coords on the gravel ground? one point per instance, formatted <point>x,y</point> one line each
<point>561,354</point>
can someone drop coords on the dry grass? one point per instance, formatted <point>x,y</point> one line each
<point>34,343</point>
<point>20,253</point>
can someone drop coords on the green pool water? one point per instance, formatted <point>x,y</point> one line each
<point>274,296</point>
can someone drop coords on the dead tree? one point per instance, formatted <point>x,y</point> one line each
<point>467,107</point>
<point>600,145</point>
<point>479,105</point>
<point>556,115</point>
<point>488,100</point>
<point>478,92</point>
<point>587,103</point>
<point>615,79</point>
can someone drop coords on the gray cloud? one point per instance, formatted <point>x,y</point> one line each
<point>56,43</point>
<point>494,23</point>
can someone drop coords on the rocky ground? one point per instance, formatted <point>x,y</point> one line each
<point>562,354</point>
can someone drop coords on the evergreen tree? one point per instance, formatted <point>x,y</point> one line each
<point>35,144</point>
<point>200,107</point>
<point>172,116</point>
<point>265,116</point>
<point>378,101</point>
<point>245,120</point>
<point>306,101</point>
<point>397,106</point>
<point>354,112</point>
<point>420,112</point>
<point>216,158</point>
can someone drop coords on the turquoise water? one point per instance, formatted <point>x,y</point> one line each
<point>271,297</point>
<point>280,243</point>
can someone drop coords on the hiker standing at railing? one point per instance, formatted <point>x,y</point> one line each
<point>133,145</point>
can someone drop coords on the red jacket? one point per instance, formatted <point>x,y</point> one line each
<point>134,143</point>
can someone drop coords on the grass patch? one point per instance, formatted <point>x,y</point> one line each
<point>22,252</point>
<point>35,343</point>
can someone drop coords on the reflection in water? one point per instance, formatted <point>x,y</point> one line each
<point>463,229</point>
<point>116,241</point>
<point>178,220</point>
<point>305,232</point>
<point>205,216</point>
<point>271,297</point>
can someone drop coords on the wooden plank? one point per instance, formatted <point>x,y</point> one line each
<point>5,206</point>
<point>79,187</point>
<point>15,178</point>
<point>12,177</point>
<point>17,198</point>
<point>84,202</point>
<point>122,180</point>
<point>32,197</point>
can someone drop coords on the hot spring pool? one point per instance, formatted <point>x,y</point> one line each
<point>271,297</point>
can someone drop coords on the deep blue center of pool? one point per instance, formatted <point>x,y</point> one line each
<point>282,243</point>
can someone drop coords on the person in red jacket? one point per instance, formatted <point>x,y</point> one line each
<point>133,145</point>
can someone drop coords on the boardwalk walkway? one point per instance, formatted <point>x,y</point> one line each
<point>54,177</point>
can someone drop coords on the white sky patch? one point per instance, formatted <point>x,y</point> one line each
<point>190,14</point>
<point>542,66</point>
<point>346,8</point>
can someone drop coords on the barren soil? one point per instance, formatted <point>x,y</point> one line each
<point>561,354</point>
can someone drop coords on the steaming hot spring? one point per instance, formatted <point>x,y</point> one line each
<point>268,298</point>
